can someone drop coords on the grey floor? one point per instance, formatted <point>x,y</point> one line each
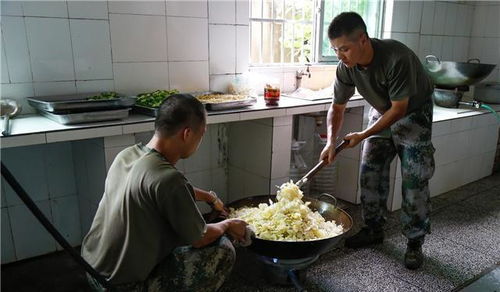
<point>465,242</point>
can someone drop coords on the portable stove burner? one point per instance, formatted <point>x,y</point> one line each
<point>287,271</point>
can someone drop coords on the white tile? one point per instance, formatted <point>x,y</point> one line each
<point>415,16</point>
<point>222,11</point>
<point>258,140</point>
<point>132,36</point>
<point>491,51</point>
<point>447,49</point>
<point>8,251</point>
<point>441,128</point>
<point>83,134</point>
<point>399,36</point>
<point>16,49</point>
<point>27,230</point>
<point>242,48</point>
<point>348,171</point>
<point>280,166</point>
<point>91,49</point>
<point>460,28</point>
<point>236,184</point>
<point>200,160</point>
<point>441,156</point>
<point>50,49</point>
<point>60,171</point>
<point>425,47</point>
<point>187,39</point>
<point>19,92</point>
<point>427,17</point>
<point>13,8</point>
<point>262,114</point>
<point>475,50</point>
<point>469,20</point>
<point>194,8</point>
<point>219,183</point>
<point>460,47</point>
<point>479,20</point>
<point>54,88</point>
<point>87,213</point>
<point>201,179</point>
<point>226,118</point>
<point>96,172</point>
<point>133,78</point>
<point>121,140</point>
<point>189,76</point>
<point>137,7</point>
<point>222,49</point>
<point>242,12</point>
<point>5,69</point>
<point>437,46</point>
<point>400,16</point>
<point>45,8</point>
<point>451,19</point>
<point>66,218</point>
<point>143,137</point>
<point>282,138</point>
<point>27,165</point>
<point>459,125</point>
<point>412,41</point>
<point>95,86</point>
<point>487,162</point>
<point>88,9</point>
<point>23,140</point>
<point>439,18</point>
<point>2,193</point>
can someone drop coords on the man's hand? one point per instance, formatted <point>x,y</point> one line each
<point>354,138</point>
<point>327,154</point>
<point>218,206</point>
<point>237,229</point>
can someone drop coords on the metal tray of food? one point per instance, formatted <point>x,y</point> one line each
<point>87,117</point>
<point>225,105</point>
<point>76,103</point>
<point>148,111</point>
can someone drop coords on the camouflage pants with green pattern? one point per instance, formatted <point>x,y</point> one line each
<point>410,139</point>
<point>185,269</point>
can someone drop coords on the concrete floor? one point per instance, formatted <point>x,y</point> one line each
<point>465,241</point>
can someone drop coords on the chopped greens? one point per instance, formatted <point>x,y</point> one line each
<point>104,96</point>
<point>155,98</point>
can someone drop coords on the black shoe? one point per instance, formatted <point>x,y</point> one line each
<point>414,256</point>
<point>365,237</point>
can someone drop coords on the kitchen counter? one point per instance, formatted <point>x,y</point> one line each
<point>36,129</point>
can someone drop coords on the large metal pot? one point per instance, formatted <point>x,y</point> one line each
<point>297,249</point>
<point>454,74</point>
<point>447,97</point>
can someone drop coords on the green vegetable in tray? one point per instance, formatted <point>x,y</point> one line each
<point>104,96</point>
<point>155,98</point>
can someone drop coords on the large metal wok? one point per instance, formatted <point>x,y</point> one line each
<point>446,74</point>
<point>297,249</point>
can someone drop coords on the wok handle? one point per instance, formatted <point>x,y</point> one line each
<point>6,125</point>
<point>474,59</point>
<point>330,197</point>
<point>428,57</point>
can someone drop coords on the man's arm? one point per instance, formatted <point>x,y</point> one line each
<point>334,121</point>
<point>214,201</point>
<point>396,112</point>
<point>236,228</point>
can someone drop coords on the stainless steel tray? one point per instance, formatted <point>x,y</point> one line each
<point>78,103</point>
<point>148,111</point>
<point>219,106</point>
<point>87,117</point>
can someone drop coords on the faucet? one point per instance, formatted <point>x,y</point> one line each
<point>300,73</point>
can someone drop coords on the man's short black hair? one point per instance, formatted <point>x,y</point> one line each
<point>345,24</point>
<point>179,111</point>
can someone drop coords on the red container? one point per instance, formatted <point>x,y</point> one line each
<point>272,95</point>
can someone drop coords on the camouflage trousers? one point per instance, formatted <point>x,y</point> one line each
<point>185,269</point>
<point>410,139</point>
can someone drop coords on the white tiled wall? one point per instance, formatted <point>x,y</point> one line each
<point>65,47</point>
<point>42,170</point>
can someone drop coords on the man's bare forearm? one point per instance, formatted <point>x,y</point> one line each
<point>396,112</point>
<point>214,231</point>
<point>334,121</point>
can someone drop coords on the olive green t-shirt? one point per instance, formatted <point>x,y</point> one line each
<point>147,210</point>
<point>394,74</point>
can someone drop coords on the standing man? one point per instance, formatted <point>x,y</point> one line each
<point>392,80</point>
<point>148,234</point>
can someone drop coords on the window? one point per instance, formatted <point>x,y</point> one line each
<point>295,31</point>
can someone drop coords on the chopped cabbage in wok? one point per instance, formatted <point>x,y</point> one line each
<point>288,219</point>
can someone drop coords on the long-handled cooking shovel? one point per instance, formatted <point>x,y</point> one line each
<point>50,228</point>
<point>320,165</point>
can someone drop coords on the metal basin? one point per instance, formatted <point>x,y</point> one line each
<point>447,97</point>
<point>454,74</point>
